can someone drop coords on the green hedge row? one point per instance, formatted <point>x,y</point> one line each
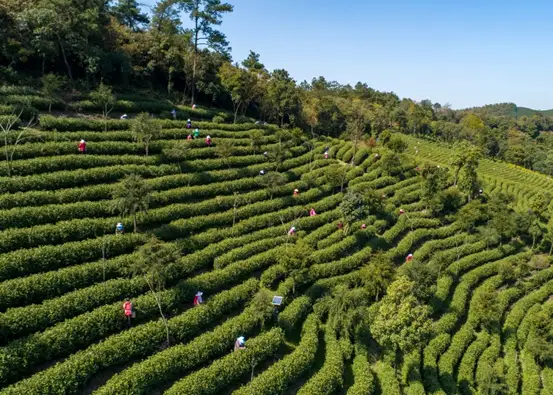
<point>214,378</point>
<point>80,229</point>
<point>469,361</point>
<point>363,378</point>
<point>182,228</point>
<point>418,236</point>
<point>453,254</point>
<point>45,258</point>
<point>104,191</point>
<point>271,276</point>
<point>432,247</point>
<point>112,149</point>
<point>73,178</point>
<point>82,177</point>
<point>277,377</point>
<point>329,378</point>
<point>32,216</point>
<point>240,138</point>
<point>488,358</point>
<point>248,250</point>
<point>30,167</point>
<point>451,357</point>
<point>385,373</point>
<point>39,287</point>
<point>321,232</point>
<point>72,375</point>
<point>531,374</point>
<point>432,351</point>
<point>38,102</point>
<point>406,223</point>
<point>48,122</point>
<point>294,313</point>
<point>170,364</point>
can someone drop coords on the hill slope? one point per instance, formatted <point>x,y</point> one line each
<point>64,273</point>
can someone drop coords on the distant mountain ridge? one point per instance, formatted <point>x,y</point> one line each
<point>509,110</point>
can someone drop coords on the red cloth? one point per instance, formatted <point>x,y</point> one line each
<point>127,306</point>
<point>312,213</point>
<point>82,147</point>
<point>208,141</point>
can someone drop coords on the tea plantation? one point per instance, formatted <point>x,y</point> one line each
<point>398,284</point>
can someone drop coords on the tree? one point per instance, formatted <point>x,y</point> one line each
<point>177,153</point>
<point>489,235</point>
<point>397,144</point>
<point>357,123</point>
<point>253,64</point>
<point>272,182</point>
<point>310,112</point>
<point>261,305</point>
<point>335,176</point>
<point>154,260</point>
<point>401,323</point>
<point>52,88</point>
<point>353,208</point>
<point>486,309</point>
<point>241,84</point>
<point>144,129</point>
<point>205,14</point>
<point>132,197</point>
<point>128,13</point>
<point>435,181</point>
<point>295,259</point>
<point>257,140</point>
<point>282,96</point>
<point>103,97</point>
<point>11,140</point>
<point>377,275</point>
<point>278,155</point>
<point>224,150</point>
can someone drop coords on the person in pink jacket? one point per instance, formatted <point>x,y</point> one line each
<point>312,212</point>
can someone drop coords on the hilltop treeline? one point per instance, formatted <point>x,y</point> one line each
<point>178,50</point>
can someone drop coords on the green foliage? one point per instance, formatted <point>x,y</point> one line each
<point>401,323</point>
<point>132,197</point>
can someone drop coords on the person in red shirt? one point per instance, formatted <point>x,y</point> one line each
<point>296,192</point>
<point>312,212</point>
<point>128,309</point>
<point>198,298</point>
<point>208,141</point>
<point>82,147</point>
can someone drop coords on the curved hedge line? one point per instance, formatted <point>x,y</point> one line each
<point>363,377</point>
<point>278,376</point>
<point>168,365</point>
<point>71,375</point>
<point>214,378</point>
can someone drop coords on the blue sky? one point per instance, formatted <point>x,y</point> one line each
<point>467,53</point>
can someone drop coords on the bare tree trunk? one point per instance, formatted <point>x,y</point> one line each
<point>160,311</point>
<point>147,149</point>
<point>195,60</point>
<point>134,221</point>
<point>69,73</point>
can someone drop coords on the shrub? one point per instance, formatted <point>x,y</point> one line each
<point>218,119</point>
<point>278,376</point>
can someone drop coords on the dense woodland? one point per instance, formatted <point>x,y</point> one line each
<point>179,50</point>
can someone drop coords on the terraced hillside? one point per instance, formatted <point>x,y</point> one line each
<point>64,272</point>
<point>496,176</point>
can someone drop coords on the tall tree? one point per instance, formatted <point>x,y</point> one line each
<point>132,197</point>
<point>353,208</point>
<point>205,14</point>
<point>241,84</point>
<point>224,150</point>
<point>52,88</point>
<point>144,130</point>
<point>401,323</point>
<point>128,13</point>
<point>357,123</point>
<point>253,64</point>
<point>153,263</point>
<point>282,96</point>
<point>377,275</point>
<point>103,97</point>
